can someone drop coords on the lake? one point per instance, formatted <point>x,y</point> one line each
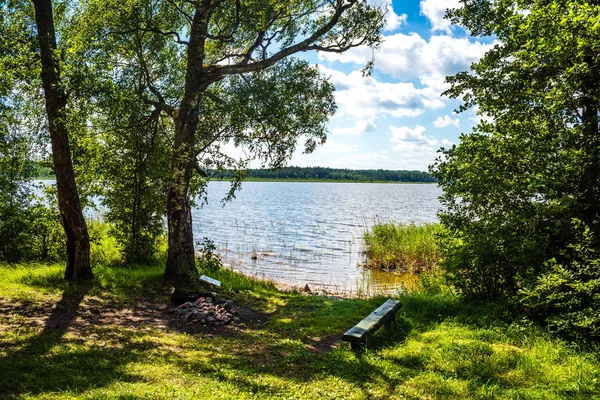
<point>301,233</point>
<point>310,232</point>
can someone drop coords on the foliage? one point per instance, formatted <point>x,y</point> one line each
<point>208,260</point>
<point>231,49</point>
<point>45,233</point>
<point>513,185</point>
<point>133,179</point>
<point>330,174</point>
<point>394,246</point>
<point>104,247</point>
<point>15,193</point>
<point>567,296</point>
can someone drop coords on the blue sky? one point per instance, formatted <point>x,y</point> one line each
<point>397,118</point>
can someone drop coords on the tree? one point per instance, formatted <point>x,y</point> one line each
<point>77,237</point>
<point>222,39</point>
<point>532,165</point>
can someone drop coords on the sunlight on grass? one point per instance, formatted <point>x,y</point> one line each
<point>439,348</point>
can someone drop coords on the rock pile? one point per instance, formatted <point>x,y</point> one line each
<point>206,311</point>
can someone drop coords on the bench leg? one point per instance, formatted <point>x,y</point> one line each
<point>357,345</point>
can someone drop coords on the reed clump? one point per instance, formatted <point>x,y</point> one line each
<point>393,246</point>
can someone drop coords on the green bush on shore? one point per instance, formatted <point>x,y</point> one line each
<point>393,246</point>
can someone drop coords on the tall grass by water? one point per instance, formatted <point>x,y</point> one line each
<point>393,246</point>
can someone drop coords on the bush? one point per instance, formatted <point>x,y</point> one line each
<point>47,237</point>
<point>207,260</point>
<point>104,247</point>
<point>394,246</point>
<point>567,295</point>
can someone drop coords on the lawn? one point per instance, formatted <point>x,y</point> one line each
<point>115,338</point>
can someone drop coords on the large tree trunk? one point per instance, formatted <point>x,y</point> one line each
<point>77,238</point>
<point>181,263</point>
<point>181,266</point>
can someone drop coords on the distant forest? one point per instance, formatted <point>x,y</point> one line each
<point>309,174</point>
<point>331,174</point>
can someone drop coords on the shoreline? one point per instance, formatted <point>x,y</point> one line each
<point>51,178</point>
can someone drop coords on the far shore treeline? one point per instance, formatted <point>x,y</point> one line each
<point>330,174</point>
<point>310,174</point>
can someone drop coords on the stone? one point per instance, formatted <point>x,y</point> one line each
<point>184,306</point>
<point>210,319</point>
<point>228,305</point>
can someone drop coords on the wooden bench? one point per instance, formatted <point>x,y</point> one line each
<point>386,313</point>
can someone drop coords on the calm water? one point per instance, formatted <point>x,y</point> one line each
<point>310,233</point>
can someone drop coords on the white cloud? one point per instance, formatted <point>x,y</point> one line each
<point>435,10</point>
<point>410,57</point>
<point>445,121</point>
<point>331,146</point>
<point>393,20</point>
<point>359,128</point>
<point>404,134</point>
<point>477,116</point>
<point>415,147</point>
<point>364,99</point>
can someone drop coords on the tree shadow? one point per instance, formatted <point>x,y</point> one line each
<point>49,362</point>
<point>297,341</point>
<point>289,354</point>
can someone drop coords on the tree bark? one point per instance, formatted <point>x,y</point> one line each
<point>77,237</point>
<point>181,263</point>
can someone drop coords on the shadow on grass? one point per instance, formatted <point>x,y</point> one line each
<point>295,341</point>
<point>50,362</point>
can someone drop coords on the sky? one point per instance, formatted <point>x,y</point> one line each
<point>397,118</point>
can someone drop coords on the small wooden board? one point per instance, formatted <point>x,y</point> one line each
<point>210,280</point>
<point>358,334</point>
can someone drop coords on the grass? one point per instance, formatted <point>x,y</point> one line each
<point>409,248</point>
<point>439,348</point>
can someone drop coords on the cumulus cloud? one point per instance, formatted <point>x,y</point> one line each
<point>331,146</point>
<point>477,116</point>
<point>359,128</point>
<point>415,147</point>
<point>393,21</point>
<point>445,121</point>
<point>435,10</point>
<point>363,99</point>
<point>410,57</point>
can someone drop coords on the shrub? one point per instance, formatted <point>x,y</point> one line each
<point>567,295</point>
<point>207,259</point>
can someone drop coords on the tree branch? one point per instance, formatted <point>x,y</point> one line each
<point>304,45</point>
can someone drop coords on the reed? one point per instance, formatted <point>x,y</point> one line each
<point>393,246</point>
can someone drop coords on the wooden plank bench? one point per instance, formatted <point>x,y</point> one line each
<point>386,313</point>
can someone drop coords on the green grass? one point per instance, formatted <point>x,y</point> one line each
<point>439,347</point>
<point>394,246</point>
